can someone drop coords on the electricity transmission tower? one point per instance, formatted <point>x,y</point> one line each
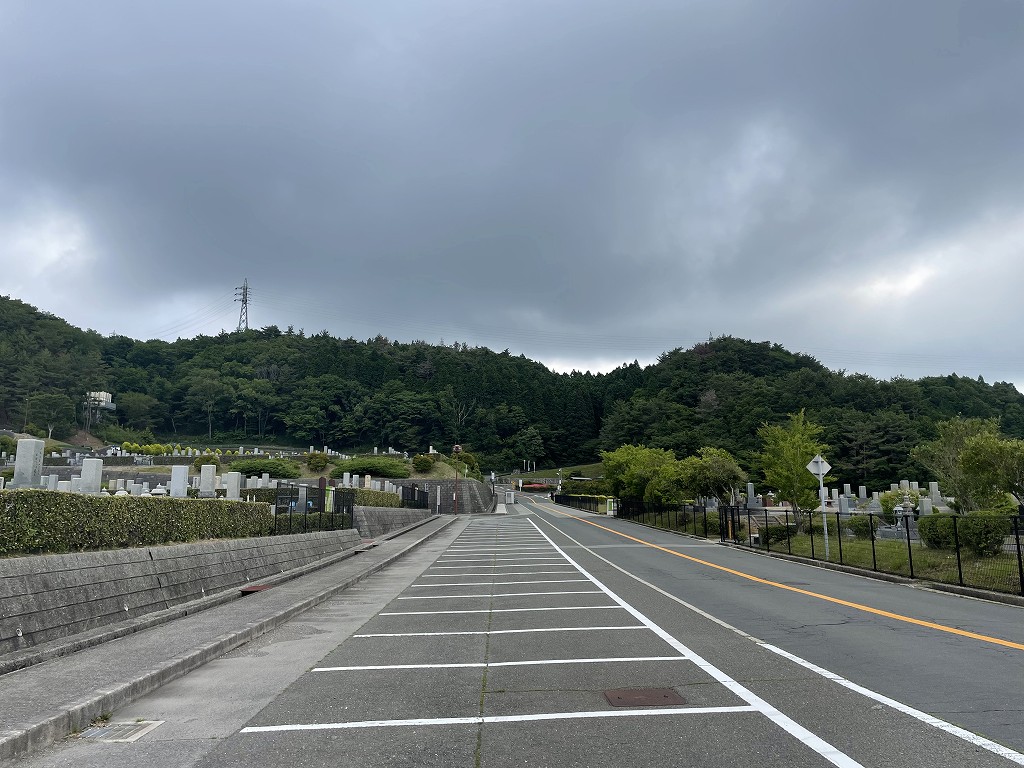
<point>242,295</point>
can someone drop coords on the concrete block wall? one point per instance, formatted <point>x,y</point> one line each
<point>50,597</point>
<point>372,522</point>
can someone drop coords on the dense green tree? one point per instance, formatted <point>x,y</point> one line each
<point>944,456</point>
<point>53,411</point>
<point>787,449</point>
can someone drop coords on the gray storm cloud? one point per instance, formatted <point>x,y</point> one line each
<point>579,181</point>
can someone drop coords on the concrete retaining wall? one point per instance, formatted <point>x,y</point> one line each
<point>376,521</point>
<point>49,597</point>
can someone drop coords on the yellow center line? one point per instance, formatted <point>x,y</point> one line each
<point>808,593</point>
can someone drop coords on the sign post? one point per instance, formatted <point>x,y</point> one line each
<point>819,468</point>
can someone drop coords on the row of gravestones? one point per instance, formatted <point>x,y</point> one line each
<point>28,469</point>
<point>846,502</point>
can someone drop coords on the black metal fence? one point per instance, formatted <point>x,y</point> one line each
<point>304,509</point>
<point>414,497</point>
<point>688,518</point>
<point>982,551</point>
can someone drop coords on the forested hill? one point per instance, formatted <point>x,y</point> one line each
<point>284,386</point>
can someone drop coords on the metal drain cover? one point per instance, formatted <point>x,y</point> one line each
<point>120,732</point>
<point>644,697</point>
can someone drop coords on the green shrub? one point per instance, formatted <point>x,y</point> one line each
<point>423,462</point>
<point>208,458</point>
<point>278,468</point>
<point>43,522</point>
<point>375,466</point>
<point>773,534</point>
<point>936,531</point>
<point>861,525</point>
<point>982,533</point>
<point>365,497</point>
<point>317,462</point>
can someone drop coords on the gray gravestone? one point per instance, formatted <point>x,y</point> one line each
<point>179,482</point>
<point>862,493</point>
<point>28,463</point>
<point>92,475</point>
<point>234,484</point>
<point>933,493</point>
<point>51,482</point>
<point>207,475</point>
<point>64,486</point>
<point>76,484</point>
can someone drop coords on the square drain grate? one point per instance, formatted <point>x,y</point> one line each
<point>644,697</point>
<point>120,732</point>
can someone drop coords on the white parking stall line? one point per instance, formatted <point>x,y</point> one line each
<point>786,723</point>
<point>505,610</point>
<point>496,559</point>
<point>499,719</point>
<point>532,630</point>
<point>489,567</point>
<point>480,664</point>
<point>470,575</point>
<point>495,583</point>
<point>501,594</point>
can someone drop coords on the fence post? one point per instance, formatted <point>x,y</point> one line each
<point>789,536</point>
<point>1020,561</point>
<point>812,536</point>
<point>767,538</point>
<point>839,537</point>
<point>956,544</point>
<point>871,531</point>
<point>910,549</point>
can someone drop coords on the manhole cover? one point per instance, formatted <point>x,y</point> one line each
<point>644,697</point>
<point>121,732</point>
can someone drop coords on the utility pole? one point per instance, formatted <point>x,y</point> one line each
<point>242,295</point>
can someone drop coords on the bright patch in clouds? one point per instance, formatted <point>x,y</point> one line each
<point>904,286</point>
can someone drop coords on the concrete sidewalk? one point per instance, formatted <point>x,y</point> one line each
<point>45,702</point>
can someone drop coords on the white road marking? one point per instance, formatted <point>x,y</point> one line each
<point>478,720</point>
<point>972,738</point>
<point>474,665</point>
<point>924,717</point>
<point>505,610</point>
<point>516,573</point>
<point>799,732</point>
<point>500,594</point>
<point>495,583</point>
<point>500,631</point>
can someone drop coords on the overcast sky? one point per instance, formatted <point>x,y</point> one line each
<point>584,182</point>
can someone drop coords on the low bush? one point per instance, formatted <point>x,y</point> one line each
<point>375,466</point>
<point>317,462</point>
<point>936,531</point>
<point>277,468</point>
<point>423,462</point>
<point>982,533</point>
<point>773,534</point>
<point>42,522</point>
<point>862,526</point>
<point>208,458</point>
<point>366,497</point>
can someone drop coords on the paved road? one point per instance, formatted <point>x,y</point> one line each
<point>524,639</point>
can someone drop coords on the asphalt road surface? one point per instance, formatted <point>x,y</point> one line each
<point>551,637</point>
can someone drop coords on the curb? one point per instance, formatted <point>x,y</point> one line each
<point>79,715</point>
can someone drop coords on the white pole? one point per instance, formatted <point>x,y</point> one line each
<point>824,516</point>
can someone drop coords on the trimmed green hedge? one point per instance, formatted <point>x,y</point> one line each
<point>34,521</point>
<point>278,468</point>
<point>374,466</point>
<point>366,497</point>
